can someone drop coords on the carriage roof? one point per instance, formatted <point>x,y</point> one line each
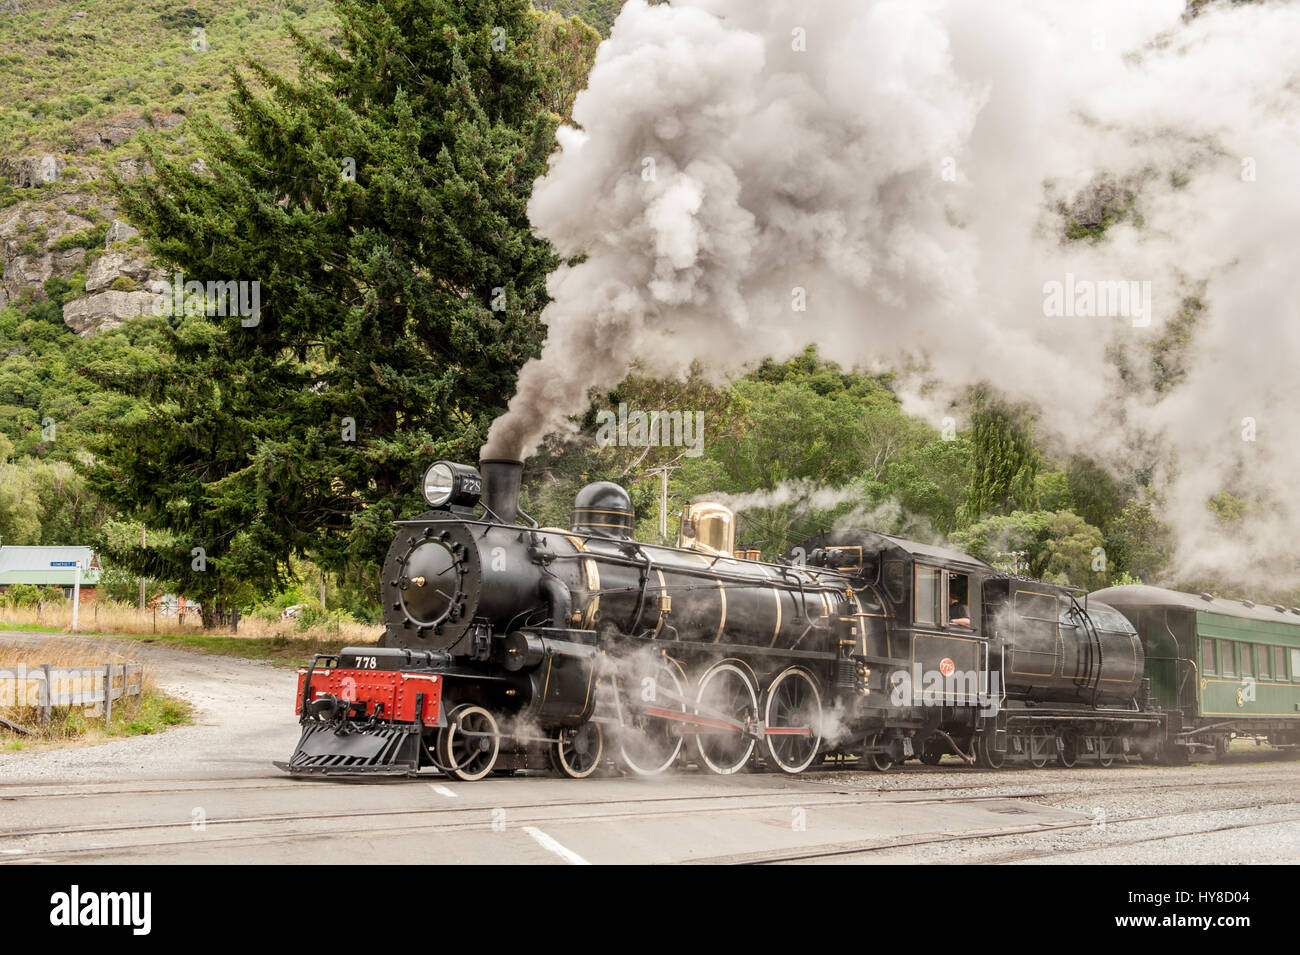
<point>1140,595</point>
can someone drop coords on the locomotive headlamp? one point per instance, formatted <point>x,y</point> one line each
<point>447,484</point>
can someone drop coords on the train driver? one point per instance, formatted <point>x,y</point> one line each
<point>958,614</point>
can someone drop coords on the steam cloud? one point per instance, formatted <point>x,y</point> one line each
<point>905,170</point>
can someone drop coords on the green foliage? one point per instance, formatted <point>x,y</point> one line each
<point>91,238</point>
<point>22,595</point>
<point>1137,542</point>
<point>116,583</point>
<point>1170,351</point>
<point>1228,508</point>
<point>834,444</point>
<point>155,713</point>
<point>1004,461</point>
<point>122,55</point>
<point>599,13</point>
<point>1058,546</point>
<point>568,48</point>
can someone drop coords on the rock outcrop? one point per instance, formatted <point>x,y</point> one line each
<point>104,310</point>
<point>119,231</point>
<point>27,254</point>
<point>111,266</point>
<point>122,130</point>
<point>31,171</point>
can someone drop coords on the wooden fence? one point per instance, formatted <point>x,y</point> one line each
<point>46,687</point>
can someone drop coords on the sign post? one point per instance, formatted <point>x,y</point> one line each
<point>76,595</point>
<point>76,586</point>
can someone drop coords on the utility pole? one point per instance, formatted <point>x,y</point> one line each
<point>663,502</point>
<point>142,579</point>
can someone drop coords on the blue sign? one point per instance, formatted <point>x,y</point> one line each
<point>63,563</point>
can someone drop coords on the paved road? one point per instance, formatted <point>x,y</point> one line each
<point>207,794</point>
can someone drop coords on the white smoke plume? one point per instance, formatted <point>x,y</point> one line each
<point>805,494</point>
<point>896,168</point>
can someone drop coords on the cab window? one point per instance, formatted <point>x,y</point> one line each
<point>957,606</point>
<point>926,608</point>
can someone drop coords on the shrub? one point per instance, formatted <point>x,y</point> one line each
<point>85,239</point>
<point>22,595</point>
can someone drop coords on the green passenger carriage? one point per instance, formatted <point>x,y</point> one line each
<point>1219,667</point>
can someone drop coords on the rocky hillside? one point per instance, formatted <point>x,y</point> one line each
<point>81,85</point>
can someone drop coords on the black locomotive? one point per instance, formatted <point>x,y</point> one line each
<point>508,646</point>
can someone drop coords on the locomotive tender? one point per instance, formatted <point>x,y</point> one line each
<point>510,646</point>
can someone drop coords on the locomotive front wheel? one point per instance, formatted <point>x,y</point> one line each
<point>880,762</point>
<point>726,691</point>
<point>793,709</point>
<point>932,753</point>
<point>577,752</point>
<point>468,745</point>
<point>648,744</point>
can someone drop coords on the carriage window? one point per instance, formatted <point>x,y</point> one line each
<point>1295,664</point>
<point>926,595</point>
<point>1207,655</point>
<point>1279,663</point>
<point>1247,660</point>
<point>1262,654</point>
<point>1225,658</point>
<point>958,602</point>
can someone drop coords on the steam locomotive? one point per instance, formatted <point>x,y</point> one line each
<point>510,646</point>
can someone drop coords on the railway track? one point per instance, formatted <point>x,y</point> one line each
<point>778,799</point>
<point>876,846</point>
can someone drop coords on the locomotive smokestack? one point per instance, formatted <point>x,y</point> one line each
<point>501,487</point>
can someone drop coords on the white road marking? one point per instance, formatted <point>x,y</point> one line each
<point>549,844</point>
<point>13,852</point>
<point>442,790</point>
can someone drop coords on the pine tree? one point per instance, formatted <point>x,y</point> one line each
<point>1004,462</point>
<point>379,201</point>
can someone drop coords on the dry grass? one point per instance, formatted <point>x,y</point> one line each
<point>279,642</point>
<point>108,617</point>
<point>150,712</point>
